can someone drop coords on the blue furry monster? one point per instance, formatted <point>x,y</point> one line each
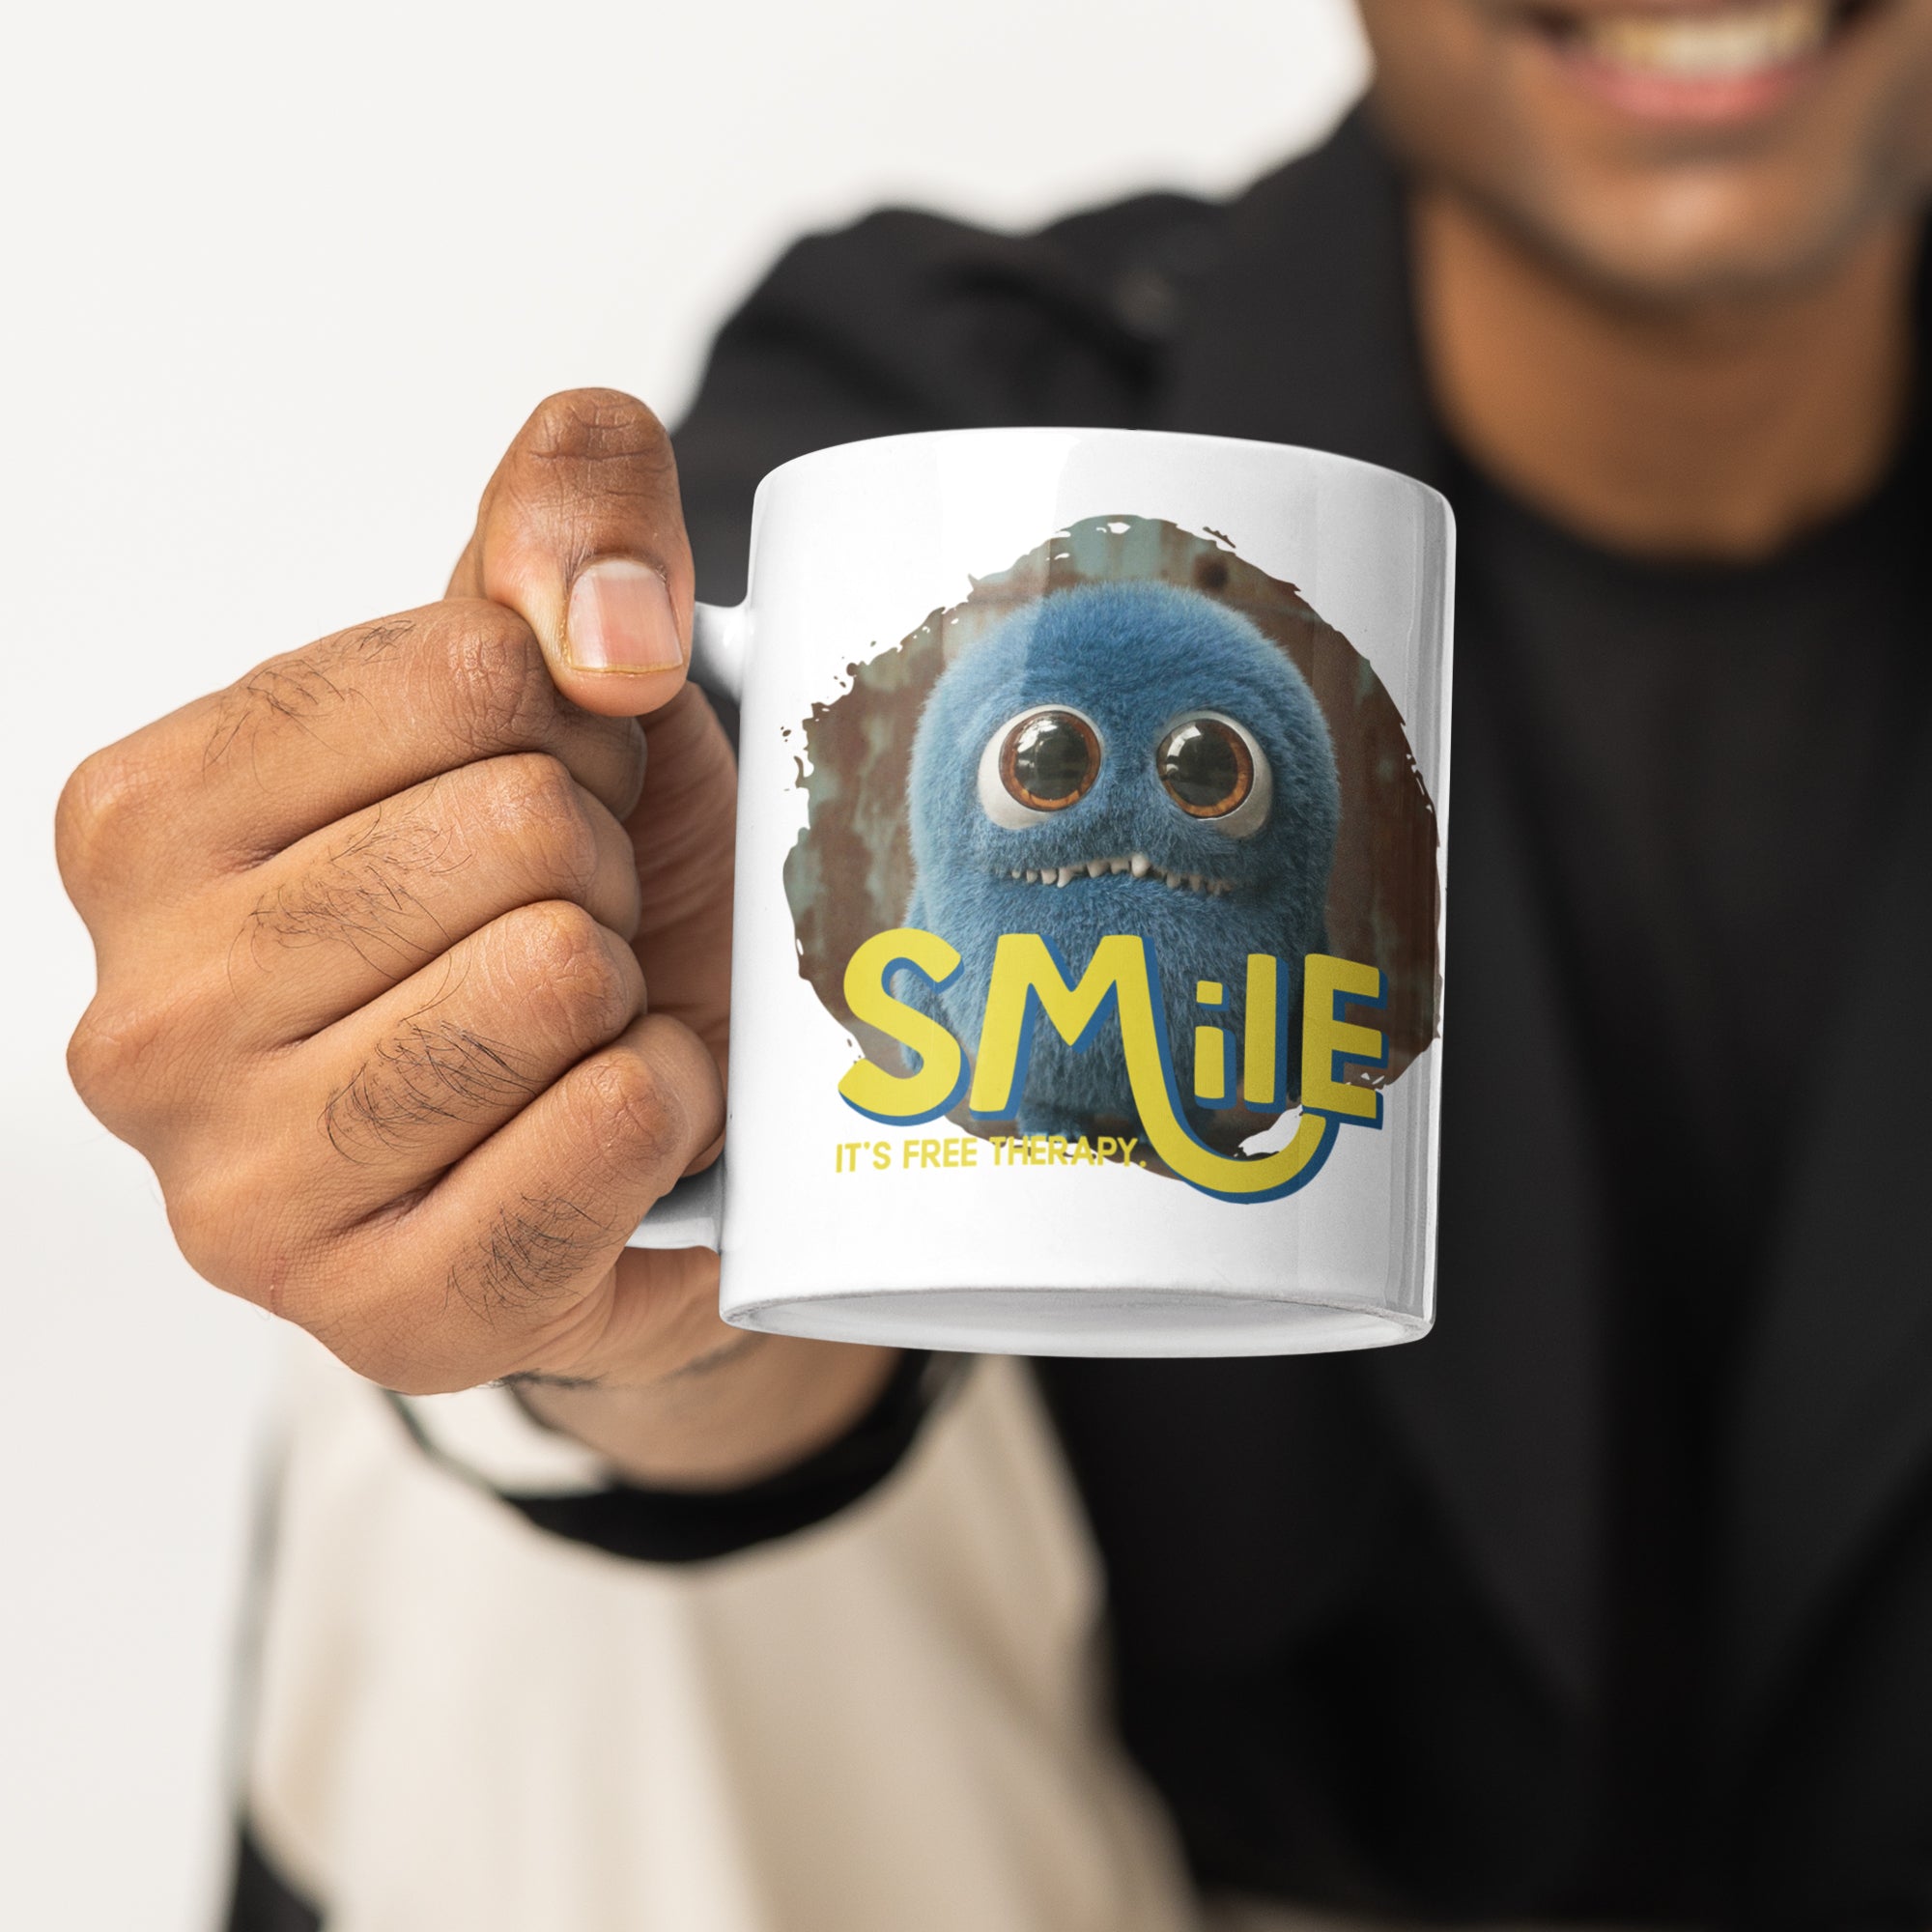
<point>1128,757</point>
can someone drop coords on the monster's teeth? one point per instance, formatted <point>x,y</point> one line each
<point>1119,865</point>
<point>1194,882</point>
<point>1140,865</point>
<point>1068,874</point>
<point>1095,866</point>
<point>1175,881</point>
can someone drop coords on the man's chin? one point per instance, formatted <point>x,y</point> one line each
<point>1693,241</point>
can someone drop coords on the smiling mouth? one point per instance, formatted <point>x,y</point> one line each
<point>1712,59</point>
<point>1708,43</point>
<point>1133,866</point>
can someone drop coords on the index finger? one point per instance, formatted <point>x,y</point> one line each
<point>581,533</point>
<point>308,738</point>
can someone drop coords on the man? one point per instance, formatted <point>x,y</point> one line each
<point>1611,1600</point>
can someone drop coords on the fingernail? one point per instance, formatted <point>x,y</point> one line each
<point>620,619</point>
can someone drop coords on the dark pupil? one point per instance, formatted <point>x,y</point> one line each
<point>1051,757</point>
<point>1199,767</point>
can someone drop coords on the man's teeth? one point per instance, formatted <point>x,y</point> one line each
<point>1138,864</point>
<point>1727,44</point>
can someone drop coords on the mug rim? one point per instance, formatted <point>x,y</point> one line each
<point>1196,440</point>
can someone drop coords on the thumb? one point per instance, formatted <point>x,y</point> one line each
<point>581,533</point>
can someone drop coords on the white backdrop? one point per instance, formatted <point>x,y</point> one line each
<point>280,285</point>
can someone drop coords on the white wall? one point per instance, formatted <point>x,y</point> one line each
<point>281,283</point>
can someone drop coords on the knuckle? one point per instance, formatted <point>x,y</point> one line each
<point>634,1117</point>
<point>109,794</point>
<point>391,1363</point>
<point>570,968</point>
<point>118,1051</point>
<point>539,805</point>
<point>239,1230</point>
<point>211,1227</point>
<point>98,1057</point>
<point>387,1349</point>
<point>505,699</point>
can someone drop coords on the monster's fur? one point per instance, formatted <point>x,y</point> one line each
<point>1132,657</point>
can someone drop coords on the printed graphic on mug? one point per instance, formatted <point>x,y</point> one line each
<point>1123,858</point>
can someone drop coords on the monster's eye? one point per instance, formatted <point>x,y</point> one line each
<point>1040,762</point>
<point>1214,770</point>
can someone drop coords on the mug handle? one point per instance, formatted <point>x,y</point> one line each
<point>692,1213</point>
<point>718,637</point>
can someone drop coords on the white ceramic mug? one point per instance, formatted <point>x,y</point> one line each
<point>1085,979</point>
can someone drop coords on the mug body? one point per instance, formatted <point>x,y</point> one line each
<point>1086,983</point>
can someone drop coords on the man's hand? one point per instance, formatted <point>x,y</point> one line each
<point>413,955</point>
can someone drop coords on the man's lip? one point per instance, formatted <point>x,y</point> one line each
<point>1653,95</point>
<point>1580,12</point>
<point>1710,102</point>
